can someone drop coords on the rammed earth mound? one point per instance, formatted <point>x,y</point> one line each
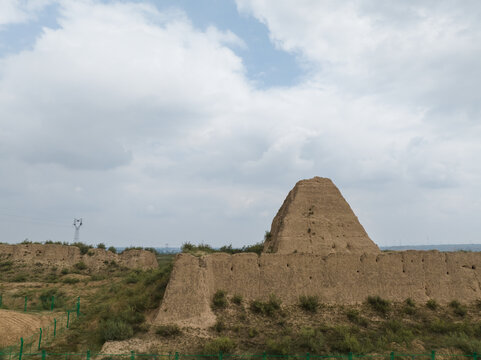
<point>318,248</point>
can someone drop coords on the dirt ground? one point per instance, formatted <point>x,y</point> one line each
<point>14,325</point>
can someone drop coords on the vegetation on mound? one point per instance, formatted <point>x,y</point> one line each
<point>269,308</point>
<point>117,311</point>
<point>219,300</point>
<point>309,303</point>
<point>168,330</point>
<point>410,327</point>
<point>202,249</point>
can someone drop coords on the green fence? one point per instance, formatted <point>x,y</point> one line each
<point>43,355</point>
<point>29,304</point>
<point>44,336</point>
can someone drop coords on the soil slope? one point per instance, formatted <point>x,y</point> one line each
<point>15,325</point>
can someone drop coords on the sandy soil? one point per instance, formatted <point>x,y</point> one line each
<point>14,325</point>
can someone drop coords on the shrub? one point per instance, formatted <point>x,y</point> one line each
<point>169,330</point>
<point>112,250</point>
<point>312,340</point>
<point>219,301</point>
<point>46,299</point>
<point>101,246</point>
<point>219,325</point>
<point>253,333</point>
<point>70,280</point>
<point>341,340</point>
<point>116,329</point>
<point>132,278</point>
<point>267,236</point>
<point>279,347</point>
<point>463,342</point>
<point>379,304</point>
<point>80,265</point>
<point>20,278</point>
<point>356,318</point>
<point>458,309</point>
<point>266,308</point>
<point>409,307</point>
<point>309,303</point>
<point>187,247</point>
<point>84,248</point>
<point>237,299</point>
<point>432,304</point>
<point>256,248</point>
<point>221,344</point>
<point>6,265</point>
<point>64,271</point>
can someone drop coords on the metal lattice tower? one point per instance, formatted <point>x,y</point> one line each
<point>77,223</point>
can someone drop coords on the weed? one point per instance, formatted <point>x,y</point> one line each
<point>409,307</point>
<point>309,303</point>
<point>458,309</point>
<point>311,340</point>
<point>268,308</point>
<point>84,248</point>
<point>46,298</point>
<point>253,332</point>
<point>70,280</point>
<point>237,299</point>
<point>221,344</point>
<point>219,301</point>
<point>410,302</point>
<point>219,326</point>
<point>356,318</point>
<point>80,266</point>
<point>20,278</point>
<point>379,304</point>
<point>132,278</point>
<point>116,329</point>
<point>342,340</point>
<point>432,304</point>
<point>169,330</point>
<point>281,346</point>
<point>6,265</point>
<point>463,342</point>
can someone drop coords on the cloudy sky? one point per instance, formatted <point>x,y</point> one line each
<point>161,122</point>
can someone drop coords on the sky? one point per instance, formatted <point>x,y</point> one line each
<point>165,122</point>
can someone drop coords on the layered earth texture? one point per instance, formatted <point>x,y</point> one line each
<point>67,256</point>
<point>317,247</point>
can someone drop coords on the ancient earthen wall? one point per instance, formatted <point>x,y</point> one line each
<point>336,278</point>
<point>316,219</point>
<point>66,256</point>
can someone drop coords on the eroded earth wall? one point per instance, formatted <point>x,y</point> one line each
<point>316,219</point>
<point>335,278</point>
<point>63,255</point>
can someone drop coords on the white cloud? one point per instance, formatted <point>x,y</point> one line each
<point>19,11</point>
<point>421,54</point>
<point>143,124</point>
